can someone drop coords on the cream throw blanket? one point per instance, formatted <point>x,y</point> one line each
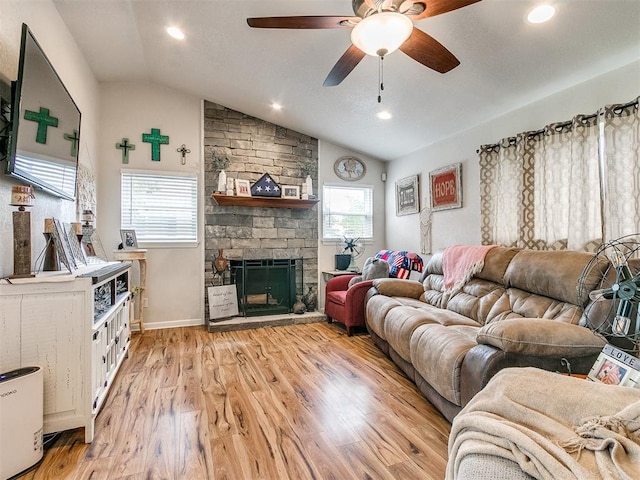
<point>553,426</point>
<point>460,263</point>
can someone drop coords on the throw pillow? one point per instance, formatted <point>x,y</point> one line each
<point>373,268</point>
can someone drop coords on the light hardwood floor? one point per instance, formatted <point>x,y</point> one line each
<point>296,402</point>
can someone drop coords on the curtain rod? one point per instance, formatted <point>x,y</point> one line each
<point>617,109</point>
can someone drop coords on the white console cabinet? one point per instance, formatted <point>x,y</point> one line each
<point>76,327</point>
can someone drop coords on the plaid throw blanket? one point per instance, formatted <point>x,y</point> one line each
<point>401,262</point>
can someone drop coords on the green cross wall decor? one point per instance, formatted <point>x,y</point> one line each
<point>155,139</point>
<point>74,142</point>
<point>125,146</point>
<point>44,120</point>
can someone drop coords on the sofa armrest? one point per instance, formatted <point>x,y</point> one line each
<point>339,283</point>
<point>395,287</point>
<point>541,337</point>
<point>482,362</point>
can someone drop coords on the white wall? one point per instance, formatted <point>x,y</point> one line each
<point>175,279</point>
<point>54,38</point>
<point>328,153</point>
<point>463,225</point>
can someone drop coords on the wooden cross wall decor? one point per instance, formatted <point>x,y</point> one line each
<point>44,120</point>
<point>125,146</point>
<point>155,139</point>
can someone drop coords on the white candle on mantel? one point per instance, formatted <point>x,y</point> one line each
<point>309,183</point>
<point>222,181</point>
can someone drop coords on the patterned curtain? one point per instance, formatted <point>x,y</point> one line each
<point>567,186</point>
<point>542,190</point>
<point>501,188</point>
<point>620,127</point>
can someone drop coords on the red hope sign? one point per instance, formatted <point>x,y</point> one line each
<point>443,189</point>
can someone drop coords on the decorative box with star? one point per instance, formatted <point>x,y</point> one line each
<point>265,187</point>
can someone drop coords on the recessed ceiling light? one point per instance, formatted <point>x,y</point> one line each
<point>541,14</point>
<point>384,115</point>
<point>276,106</point>
<point>176,33</point>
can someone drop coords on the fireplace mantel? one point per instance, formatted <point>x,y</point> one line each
<point>271,202</point>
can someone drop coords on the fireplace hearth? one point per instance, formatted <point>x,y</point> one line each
<point>266,286</point>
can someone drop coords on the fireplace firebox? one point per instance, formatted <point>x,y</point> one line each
<point>266,286</point>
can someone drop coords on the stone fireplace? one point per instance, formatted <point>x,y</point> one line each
<point>255,147</point>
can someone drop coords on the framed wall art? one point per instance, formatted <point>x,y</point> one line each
<point>446,187</point>
<point>407,196</point>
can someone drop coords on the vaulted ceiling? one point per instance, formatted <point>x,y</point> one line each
<point>505,62</point>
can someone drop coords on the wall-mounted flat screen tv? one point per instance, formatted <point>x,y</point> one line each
<point>45,132</point>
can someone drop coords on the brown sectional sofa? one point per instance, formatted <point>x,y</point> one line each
<point>520,310</point>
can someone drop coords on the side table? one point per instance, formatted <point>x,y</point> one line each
<point>329,274</point>
<point>139,255</point>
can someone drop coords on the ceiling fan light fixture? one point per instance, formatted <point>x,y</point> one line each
<point>541,14</point>
<point>176,33</point>
<point>381,33</point>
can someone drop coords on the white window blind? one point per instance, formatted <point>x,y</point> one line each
<point>160,207</point>
<point>347,212</point>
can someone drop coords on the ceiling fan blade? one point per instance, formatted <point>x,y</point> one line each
<point>428,51</point>
<point>438,7</point>
<point>302,22</point>
<point>344,66</point>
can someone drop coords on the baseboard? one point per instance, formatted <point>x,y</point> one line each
<point>190,322</point>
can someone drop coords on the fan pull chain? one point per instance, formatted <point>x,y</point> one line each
<point>380,78</point>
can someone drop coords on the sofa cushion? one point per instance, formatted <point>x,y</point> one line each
<point>437,353</point>
<point>393,287</point>
<point>376,310</point>
<point>515,303</point>
<point>338,297</point>
<point>476,299</point>
<point>400,325</point>
<point>496,262</point>
<point>539,337</point>
<point>553,274</point>
<point>402,321</point>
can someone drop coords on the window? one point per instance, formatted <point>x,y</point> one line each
<point>347,212</point>
<point>160,207</point>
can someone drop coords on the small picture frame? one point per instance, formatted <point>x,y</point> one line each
<point>615,367</point>
<point>407,196</point>
<point>446,187</point>
<point>129,240</point>
<point>290,191</point>
<point>243,188</point>
<point>63,247</point>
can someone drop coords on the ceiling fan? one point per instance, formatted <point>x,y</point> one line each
<point>379,28</point>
